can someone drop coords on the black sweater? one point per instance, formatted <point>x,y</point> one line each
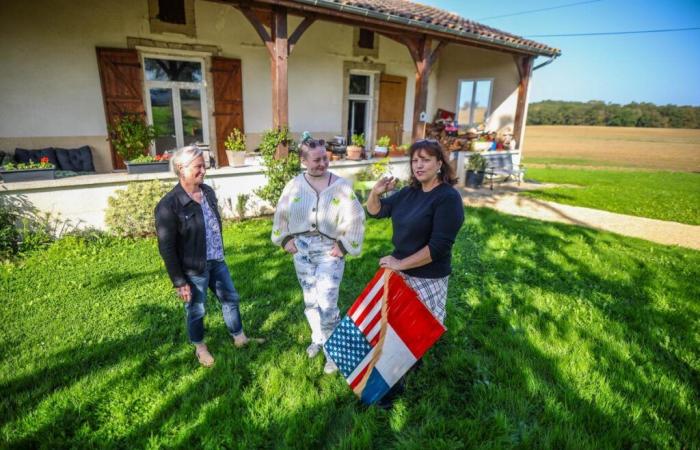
<point>424,218</point>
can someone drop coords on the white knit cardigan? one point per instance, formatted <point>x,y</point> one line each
<point>334,212</point>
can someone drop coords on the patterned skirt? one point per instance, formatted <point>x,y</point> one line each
<point>432,292</point>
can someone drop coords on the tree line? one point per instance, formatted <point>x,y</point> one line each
<point>595,112</point>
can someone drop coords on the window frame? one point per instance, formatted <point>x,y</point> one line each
<point>369,98</point>
<point>175,87</point>
<point>487,115</point>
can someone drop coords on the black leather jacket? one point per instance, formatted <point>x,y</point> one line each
<point>181,234</point>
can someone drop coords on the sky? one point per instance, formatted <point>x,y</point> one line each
<point>660,68</point>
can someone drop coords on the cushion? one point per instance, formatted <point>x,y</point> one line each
<point>26,156</point>
<point>75,159</point>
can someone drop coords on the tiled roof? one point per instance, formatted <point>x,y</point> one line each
<point>429,17</point>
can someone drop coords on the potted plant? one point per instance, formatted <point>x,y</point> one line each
<point>367,178</point>
<point>356,148</point>
<point>235,148</point>
<point>149,163</point>
<point>382,147</point>
<point>397,150</point>
<point>476,169</point>
<point>131,138</point>
<point>31,171</point>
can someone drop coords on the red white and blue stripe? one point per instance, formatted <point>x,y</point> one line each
<point>410,331</point>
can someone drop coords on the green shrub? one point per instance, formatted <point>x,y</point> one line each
<point>9,236</point>
<point>130,212</point>
<point>241,205</point>
<point>277,171</point>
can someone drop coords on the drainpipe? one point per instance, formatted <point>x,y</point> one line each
<point>549,61</point>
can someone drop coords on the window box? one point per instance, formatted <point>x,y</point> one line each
<point>152,167</point>
<point>13,176</point>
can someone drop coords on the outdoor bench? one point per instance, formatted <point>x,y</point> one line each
<point>501,166</point>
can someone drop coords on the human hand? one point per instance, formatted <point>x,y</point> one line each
<point>389,262</point>
<point>336,251</point>
<point>290,247</point>
<point>385,184</point>
<point>185,293</point>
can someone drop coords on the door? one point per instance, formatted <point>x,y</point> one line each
<point>122,87</point>
<point>392,98</point>
<point>228,101</point>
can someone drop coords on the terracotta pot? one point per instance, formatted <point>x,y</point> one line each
<point>355,152</point>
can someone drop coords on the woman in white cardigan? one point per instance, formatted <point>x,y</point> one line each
<point>318,220</point>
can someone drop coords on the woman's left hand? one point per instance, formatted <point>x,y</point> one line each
<point>389,262</point>
<point>336,252</point>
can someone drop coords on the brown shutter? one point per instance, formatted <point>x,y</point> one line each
<point>122,86</point>
<point>228,101</point>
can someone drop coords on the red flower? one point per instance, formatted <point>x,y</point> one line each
<point>44,160</point>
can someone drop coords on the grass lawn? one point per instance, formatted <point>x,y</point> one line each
<point>558,337</point>
<point>673,196</point>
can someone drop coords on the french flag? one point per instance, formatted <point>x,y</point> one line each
<point>385,332</point>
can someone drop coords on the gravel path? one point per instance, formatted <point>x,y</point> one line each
<point>505,198</point>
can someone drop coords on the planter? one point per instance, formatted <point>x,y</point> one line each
<point>235,159</point>
<point>153,167</point>
<point>355,152</point>
<point>481,146</point>
<point>380,152</point>
<point>475,179</point>
<point>397,153</point>
<point>13,176</point>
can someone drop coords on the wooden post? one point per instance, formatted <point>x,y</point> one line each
<point>279,47</point>
<point>524,65</point>
<point>424,57</point>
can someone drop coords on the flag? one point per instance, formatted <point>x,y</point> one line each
<point>385,332</point>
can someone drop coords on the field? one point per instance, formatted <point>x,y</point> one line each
<point>649,148</point>
<point>652,173</point>
<point>558,337</point>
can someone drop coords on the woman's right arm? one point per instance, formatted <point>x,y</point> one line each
<point>374,204</point>
<point>166,229</point>
<point>280,224</point>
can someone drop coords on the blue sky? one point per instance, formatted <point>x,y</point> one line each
<point>659,68</point>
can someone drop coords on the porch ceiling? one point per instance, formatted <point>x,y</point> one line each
<point>399,16</point>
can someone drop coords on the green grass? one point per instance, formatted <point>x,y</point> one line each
<point>673,196</point>
<point>558,337</point>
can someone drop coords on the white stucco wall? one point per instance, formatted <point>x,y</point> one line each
<point>50,89</point>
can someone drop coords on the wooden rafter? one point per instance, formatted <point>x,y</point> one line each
<point>524,65</point>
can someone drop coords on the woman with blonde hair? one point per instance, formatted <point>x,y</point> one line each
<point>319,220</point>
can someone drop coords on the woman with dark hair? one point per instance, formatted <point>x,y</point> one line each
<point>426,217</point>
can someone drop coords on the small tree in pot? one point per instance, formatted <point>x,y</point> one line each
<point>476,169</point>
<point>356,150</point>
<point>131,136</point>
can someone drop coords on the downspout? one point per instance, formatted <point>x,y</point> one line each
<point>549,61</point>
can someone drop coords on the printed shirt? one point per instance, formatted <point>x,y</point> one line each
<point>215,245</point>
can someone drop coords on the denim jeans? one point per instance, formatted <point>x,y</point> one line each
<point>217,278</point>
<point>319,275</point>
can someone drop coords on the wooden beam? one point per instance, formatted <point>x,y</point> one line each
<point>258,26</point>
<point>524,65</point>
<point>301,28</point>
<point>280,94</point>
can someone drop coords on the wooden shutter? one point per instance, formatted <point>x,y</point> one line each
<point>228,101</point>
<point>392,97</point>
<point>122,87</point>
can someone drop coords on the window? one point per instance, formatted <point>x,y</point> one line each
<point>366,39</point>
<point>473,102</point>
<point>176,101</point>
<point>172,16</point>
<point>365,43</point>
<point>360,99</point>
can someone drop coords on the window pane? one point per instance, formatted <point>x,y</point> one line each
<point>172,70</point>
<point>359,84</point>
<point>162,111</point>
<point>172,11</point>
<point>481,100</point>
<point>357,119</point>
<point>366,39</point>
<point>190,100</point>
<point>466,89</point>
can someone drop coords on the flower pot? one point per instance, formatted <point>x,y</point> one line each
<point>475,179</point>
<point>13,176</point>
<point>397,153</point>
<point>235,159</point>
<point>355,152</point>
<point>380,152</point>
<point>152,167</point>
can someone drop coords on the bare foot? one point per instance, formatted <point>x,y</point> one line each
<point>242,340</point>
<point>203,356</point>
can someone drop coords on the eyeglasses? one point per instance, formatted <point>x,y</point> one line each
<point>427,141</point>
<point>312,143</point>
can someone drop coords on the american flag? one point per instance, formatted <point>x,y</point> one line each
<point>380,339</point>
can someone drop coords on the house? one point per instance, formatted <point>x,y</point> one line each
<point>199,68</point>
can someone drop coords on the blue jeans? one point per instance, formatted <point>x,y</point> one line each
<point>217,278</point>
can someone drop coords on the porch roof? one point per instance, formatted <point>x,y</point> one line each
<point>431,19</point>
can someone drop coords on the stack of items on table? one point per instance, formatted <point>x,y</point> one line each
<point>445,130</point>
